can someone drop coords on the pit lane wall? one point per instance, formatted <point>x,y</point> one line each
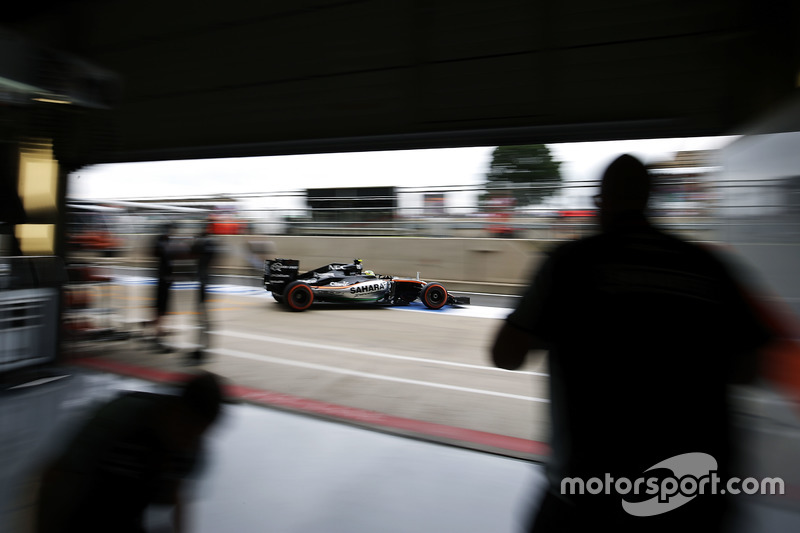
<point>500,266</point>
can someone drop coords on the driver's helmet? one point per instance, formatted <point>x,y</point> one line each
<point>369,273</point>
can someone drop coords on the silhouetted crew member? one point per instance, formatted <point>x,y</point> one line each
<point>644,332</point>
<point>204,250</point>
<point>134,452</point>
<point>164,255</point>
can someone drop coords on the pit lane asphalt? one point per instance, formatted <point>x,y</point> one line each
<point>405,370</point>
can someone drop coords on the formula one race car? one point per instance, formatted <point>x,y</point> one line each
<point>348,283</point>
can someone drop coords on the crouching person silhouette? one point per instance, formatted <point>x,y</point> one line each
<point>135,451</point>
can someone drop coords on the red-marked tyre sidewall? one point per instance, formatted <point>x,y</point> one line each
<point>434,296</point>
<point>298,296</point>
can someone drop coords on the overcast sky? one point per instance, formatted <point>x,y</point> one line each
<point>411,168</point>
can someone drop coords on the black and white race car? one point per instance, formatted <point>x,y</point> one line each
<point>348,283</point>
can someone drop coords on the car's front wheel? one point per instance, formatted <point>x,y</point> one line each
<point>298,296</point>
<point>434,296</point>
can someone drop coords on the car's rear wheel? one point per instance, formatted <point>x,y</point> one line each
<point>434,296</point>
<point>298,296</point>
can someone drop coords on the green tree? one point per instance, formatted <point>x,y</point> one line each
<point>527,172</point>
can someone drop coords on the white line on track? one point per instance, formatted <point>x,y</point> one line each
<point>370,353</point>
<point>37,382</point>
<point>470,311</point>
<point>313,366</point>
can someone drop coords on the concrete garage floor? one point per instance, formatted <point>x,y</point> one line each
<point>274,471</point>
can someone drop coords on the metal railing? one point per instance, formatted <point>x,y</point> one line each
<point>724,210</point>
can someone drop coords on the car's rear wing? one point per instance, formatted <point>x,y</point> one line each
<point>278,273</point>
